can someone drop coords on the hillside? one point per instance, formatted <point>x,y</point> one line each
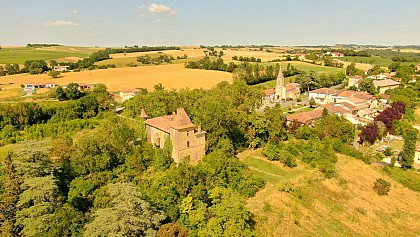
<point>300,202</point>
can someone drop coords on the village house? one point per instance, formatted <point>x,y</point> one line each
<point>187,139</point>
<point>384,85</point>
<point>306,118</point>
<point>128,94</point>
<point>323,95</point>
<point>61,68</point>
<point>337,54</point>
<point>354,81</point>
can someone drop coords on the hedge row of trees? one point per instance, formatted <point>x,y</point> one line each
<point>312,80</point>
<point>250,73</point>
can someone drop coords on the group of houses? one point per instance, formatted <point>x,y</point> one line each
<point>358,107</point>
<point>382,81</point>
<point>31,86</point>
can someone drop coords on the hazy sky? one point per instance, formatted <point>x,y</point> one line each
<point>209,22</point>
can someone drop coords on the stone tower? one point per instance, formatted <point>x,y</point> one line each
<point>187,139</point>
<point>280,95</point>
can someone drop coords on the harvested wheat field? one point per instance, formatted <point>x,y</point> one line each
<point>172,76</point>
<point>190,51</point>
<point>303,203</point>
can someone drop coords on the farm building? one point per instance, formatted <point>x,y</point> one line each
<point>36,85</point>
<point>61,68</point>
<point>187,139</point>
<point>128,94</point>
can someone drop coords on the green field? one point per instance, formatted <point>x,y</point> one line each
<point>20,54</point>
<point>312,67</point>
<point>383,62</point>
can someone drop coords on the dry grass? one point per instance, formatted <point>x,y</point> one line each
<point>172,76</point>
<point>7,93</point>
<point>344,206</point>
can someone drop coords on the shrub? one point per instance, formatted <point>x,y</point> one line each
<point>388,151</point>
<point>382,186</point>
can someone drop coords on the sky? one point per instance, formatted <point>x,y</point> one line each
<point>117,23</point>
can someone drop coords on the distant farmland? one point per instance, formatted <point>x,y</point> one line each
<point>383,62</point>
<point>10,55</point>
<point>172,76</point>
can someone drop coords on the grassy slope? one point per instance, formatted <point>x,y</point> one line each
<point>20,54</point>
<point>344,206</point>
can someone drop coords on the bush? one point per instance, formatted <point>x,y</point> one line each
<point>382,186</point>
<point>388,151</point>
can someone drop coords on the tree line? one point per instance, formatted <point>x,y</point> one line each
<point>250,73</point>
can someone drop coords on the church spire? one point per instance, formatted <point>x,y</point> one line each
<point>280,78</point>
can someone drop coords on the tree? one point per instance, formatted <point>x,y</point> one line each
<point>123,214</point>
<point>54,74</point>
<point>225,216</point>
<point>369,133</point>
<point>172,229</point>
<point>60,94</point>
<point>382,186</point>
<point>409,148</point>
<point>2,72</point>
<point>37,205</point>
<point>351,70</point>
<point>368,86</point>
<point>312,102</point>
<point>9,198</point>
<point>72,91</point>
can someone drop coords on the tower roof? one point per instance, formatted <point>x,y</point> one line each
<point>181,119</point>
<point>143,114</point>
<point>178,120</point>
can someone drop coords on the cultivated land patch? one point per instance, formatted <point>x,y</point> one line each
<point>300,202</point>
<point>374,60</point>
<point>20,54</point>
<point>172,76</point>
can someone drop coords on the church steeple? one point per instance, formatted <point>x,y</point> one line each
<point>280,94</point>
<point>280,78</point>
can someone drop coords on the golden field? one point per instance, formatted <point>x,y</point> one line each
<point>172,76</point>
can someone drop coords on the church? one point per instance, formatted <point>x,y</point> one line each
<point>281,92</point>
<point>187,139</point>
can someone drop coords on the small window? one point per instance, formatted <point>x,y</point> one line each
<point>188,133</point>
<point>188,144</point>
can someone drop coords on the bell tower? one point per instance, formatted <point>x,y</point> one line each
<point>280,95</point>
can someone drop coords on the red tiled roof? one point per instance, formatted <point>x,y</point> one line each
<point>305,117</point>
<point>293,87</point>
<point>386,82</point>
<point>165,123</point>
<point>324,90</point>
<point>356,100</point>
<point>269,91</point>
<point>335,108</point>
